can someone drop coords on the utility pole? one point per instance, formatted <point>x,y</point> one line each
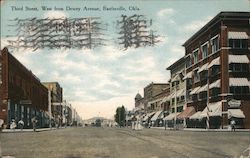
<point>207,120</point>
<point>49,103</point>
<point>175,104</point>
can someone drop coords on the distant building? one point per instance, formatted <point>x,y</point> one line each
<point>56,100</point>
<point>22,96</point>
<point>177,86</point>
<point>217,70</point>
<point>150,91</point>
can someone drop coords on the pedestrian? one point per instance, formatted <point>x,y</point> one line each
<point>233,125</point>
<point>21,124</point>
<point>13,124</point>
<point>34,121</point>
<point>1,125</point>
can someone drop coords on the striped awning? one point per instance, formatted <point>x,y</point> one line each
<point>237,35</point>
<point>171,116</point>
<point>215,84</point>
<point>216,61</point>
<point>180,93</point>
<point>165,99</point>
<point>238,59</point>
<point>238,82</point>
<point>202,89</point>
<point>238,113</point>
<point>156,115</point>
<point>148,116</point>
<point>194,91</point>
<point>188,75</point>
<point>196,115</point>
<point>189,111</point>
<point>203,68</point>
<point>215,109</point>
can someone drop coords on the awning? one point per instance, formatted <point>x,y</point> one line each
<point>216,61</point>
<point>203,68</point>
<point>238,82</point>
<point>196,115</point>
<point>148,116</point>
<point>176,77</point>
<point>156,115</point>
<point>188,75</point>
<point>180,93</point>
<point>195,90</point>
<point>172,95</point>
<point>171,116</point>
<point>237,35</point>
<point>215,84</point>
<point>165,99</point>
<point>215,109</point>
<point>189,111</point>
<point>238,59</point>
<point>238,113</point>
<point>202,89</point>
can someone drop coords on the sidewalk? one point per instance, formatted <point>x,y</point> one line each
<point>27,130</point>
<point>203,130</point>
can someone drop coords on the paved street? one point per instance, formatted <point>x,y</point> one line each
<point>94,142</point>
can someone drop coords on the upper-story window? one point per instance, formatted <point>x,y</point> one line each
<point>215,44</point>
<point>238,43</point>
<point>239,67</point>
<point>238,40</point>
<point>204,49</point>
<point>195,56</point>
<point>196,76</point>
<point>188,62</point>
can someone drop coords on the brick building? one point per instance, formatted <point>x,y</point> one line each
<point>22,96</point>
<point>217,70</point>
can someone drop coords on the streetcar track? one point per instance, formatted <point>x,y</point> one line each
<point>172,141</point>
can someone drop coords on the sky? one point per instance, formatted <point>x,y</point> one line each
<point>97,81</point>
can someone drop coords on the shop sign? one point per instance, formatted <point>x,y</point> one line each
<point>24,102</point>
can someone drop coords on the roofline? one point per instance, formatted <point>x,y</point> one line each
<point>175,63</point>
<point>220,16</point>
<point>51,82</point>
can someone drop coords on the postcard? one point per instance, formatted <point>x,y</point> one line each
<point>125,79</point>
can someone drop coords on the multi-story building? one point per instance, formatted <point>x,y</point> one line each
<point>56,100</point>
<point>177,86</point>
<point>154,94</point>
<point>22,96</point>
<point>150,93</point>
<point>217,70</point>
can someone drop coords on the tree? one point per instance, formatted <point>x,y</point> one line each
<point>120,116</point>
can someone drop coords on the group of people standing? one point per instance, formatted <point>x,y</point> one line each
<point>20,124</point>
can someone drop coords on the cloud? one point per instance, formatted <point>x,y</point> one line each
<point>195,25</point>
<point>166,12</point>
<point>54,14</point>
